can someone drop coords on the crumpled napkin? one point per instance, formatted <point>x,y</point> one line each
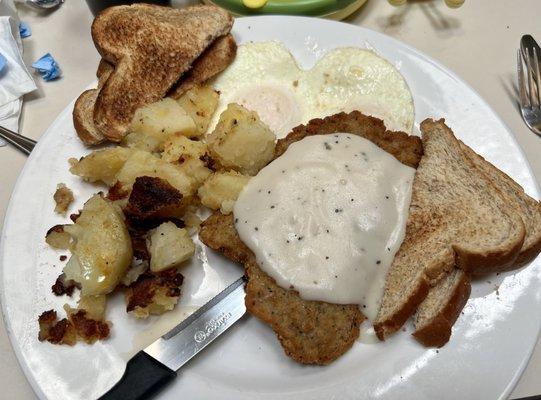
<point>3,62</point>
<point>24,30</point>
<point>47,67</point>
<point>15,80</point>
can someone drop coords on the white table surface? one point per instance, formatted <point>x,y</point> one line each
<point>478,41</point>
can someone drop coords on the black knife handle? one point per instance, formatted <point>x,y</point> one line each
<point>144,377</point>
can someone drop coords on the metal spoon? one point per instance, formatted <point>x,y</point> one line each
<point>44,4</point>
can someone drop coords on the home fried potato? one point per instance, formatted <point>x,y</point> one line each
<point>101,248</point>
<point>169,246</point>
<point>241,141</point>
<point>143,163</point>
<point>153,293</point>
<point>152,124</point>
<point>200,103</point>
<point>100,165</point>
<point>189,155</point>
<point>221,189</point>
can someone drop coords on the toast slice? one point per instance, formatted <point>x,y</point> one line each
<point>310,332</point>
<point>149,64</point>
<point>528,208</point>
<point>213,61</point>
<point>116,26</point>
<point>441,308</point>
<point>457,219</point>
<point>438,312</point>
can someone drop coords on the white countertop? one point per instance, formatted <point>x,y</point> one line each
<point>478,41</point>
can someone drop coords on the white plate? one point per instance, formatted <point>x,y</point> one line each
<point>491,342</point>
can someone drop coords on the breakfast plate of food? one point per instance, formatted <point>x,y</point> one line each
<point>382,214</point>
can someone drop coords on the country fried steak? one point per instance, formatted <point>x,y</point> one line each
<point>311,332</point>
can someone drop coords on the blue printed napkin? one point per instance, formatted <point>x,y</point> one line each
<point>24,30</point>
<point>47,67</point>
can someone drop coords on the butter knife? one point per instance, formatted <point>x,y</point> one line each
<point>154,367</point>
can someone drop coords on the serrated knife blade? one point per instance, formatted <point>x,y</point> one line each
<point>152,368</point>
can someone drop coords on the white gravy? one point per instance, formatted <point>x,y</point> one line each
<point>327,217</point>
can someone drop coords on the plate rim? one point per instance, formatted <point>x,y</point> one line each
<point>248,19</point>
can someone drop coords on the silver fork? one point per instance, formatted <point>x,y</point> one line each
<point>530,102</point>
<point>21,142</point>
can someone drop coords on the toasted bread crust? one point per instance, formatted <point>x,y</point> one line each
<point>213,61</point>
<point>389,326</point>
<point>487,262</point>
<point>438,331</point>
<point>105,69</point>
<point>405,148</point>
<point>311,332</point>
<point>83,118</point>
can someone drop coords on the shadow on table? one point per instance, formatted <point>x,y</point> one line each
<point>440,22</point>
<point>509,84</point>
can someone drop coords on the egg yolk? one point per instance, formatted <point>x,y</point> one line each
<point>275,106</point>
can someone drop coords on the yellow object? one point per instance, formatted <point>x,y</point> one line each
<point>254,3</point>
<point>454,3</point>
<point>450,3</point>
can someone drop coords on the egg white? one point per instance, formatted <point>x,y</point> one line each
<point>265,77</point>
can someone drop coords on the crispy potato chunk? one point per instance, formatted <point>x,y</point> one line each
<point>63,197</point>
<point>54,331</point>
<point>152,124</point>
<point>241,141</point>
<point>189,155</point>
<point>153,198</point>
<point>169,246</point>
<point>94,306</point>
<point>153,293</point>
<point>200,103</point>
<point>177,148</point>
<point>101,249</point>
<point>142,163</point>
<point>192,221</point>
<point>221,190</point>
<point>57,238</point>
<point>137,269</point>
<point>100,165</point>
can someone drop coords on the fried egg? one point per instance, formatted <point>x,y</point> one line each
<point>265,77</point>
